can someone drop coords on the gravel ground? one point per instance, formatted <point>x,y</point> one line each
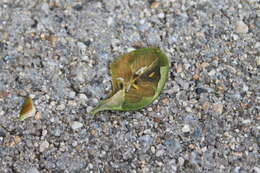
<point>58,51</point>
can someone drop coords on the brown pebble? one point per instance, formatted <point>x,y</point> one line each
<point>204,65</point>
<point>156,120</point>
<point>52,39</point>
<point>157,140</point>
<point>155,4</point>
<point>138,45</point>
<point>16,140</point>
<point>165,101</point>
<point>33,34</point>
<point>243,106</point>
<point>93,132</point>
<point>53,5</point>
<point>37,116</point>
<point>196,77</point>
<point>220,89</point>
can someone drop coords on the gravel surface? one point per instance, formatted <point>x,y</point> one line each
<point>58,51</point>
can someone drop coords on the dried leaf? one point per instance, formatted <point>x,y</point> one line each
<point>28,109</point>
<point>137,79</point>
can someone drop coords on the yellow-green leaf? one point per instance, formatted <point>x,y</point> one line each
<point>137,80</point>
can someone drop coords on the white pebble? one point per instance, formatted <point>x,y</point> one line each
<point>44,132</point>
<point>110,21</point>
<point>256,169</point>
<point>76,125</point>
<point>89,109</point>
<point>44,145</point>
<point>161,15</point>
<point>83,97</point>
<point>185,128</point>
<point>60,107</point>
<point>247,121</point>
<point>257,59</point>
<point>153,149</point>
<point>181,161</point>
<point>159,153</point>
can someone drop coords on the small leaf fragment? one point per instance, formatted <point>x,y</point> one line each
<point>137,80</point>
<point>28,109</point>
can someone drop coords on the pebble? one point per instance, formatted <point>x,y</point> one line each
<point>256,169</point>
<point>37,116</point>
<point>44,145</point>
<point>188,109</point>
<point>153,149</point>
<point>200,90</point>
<point>2,132</point>
<point>56,132</point>
<point>33,170</point>
<point>212,73</point>
<point>181,161</point>
<point>52,40</point>
<point>76,125</point>
<point>74,143</point>
<point>2,113</point>
<point>257,59</point>
<point>84,58</point>
<point>185,128</point>
<point>45,8</point>
<point>204,65</point>
<point>204,149</point>
<point>241,27</point>
<point>179,68</point>
<point>44,132</point>
<point>16,140</point>
<point>72,94</point>
<point>218,108</point>
<point>165,101</point>
<point>150,109</point>
<point>161,15</point>
<point>83,97</point>
<point>235,37</point>
<point>110,21</point>
<point>246,121</point>
<point>89,108</point>
<point>196,77</point>
<point>155,4</point>
<point>60,107</point>
<point>159,153</point>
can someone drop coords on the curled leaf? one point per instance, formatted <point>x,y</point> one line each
<point>28,109</point>
<point>137,80</point>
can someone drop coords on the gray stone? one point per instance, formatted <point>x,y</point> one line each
<point>33,170</point>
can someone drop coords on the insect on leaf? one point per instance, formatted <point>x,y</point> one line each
<point>137,80</point>
<point>28,109</point>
